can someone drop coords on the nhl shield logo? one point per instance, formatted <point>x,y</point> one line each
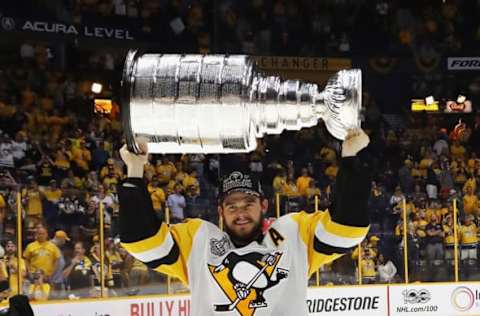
<point>8,24</point>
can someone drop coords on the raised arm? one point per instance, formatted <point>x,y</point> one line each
<point>353,184</point>
<point>160,247</point>
<point>336,231</point>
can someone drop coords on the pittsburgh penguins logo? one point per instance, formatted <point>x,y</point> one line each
<point>245,278</point>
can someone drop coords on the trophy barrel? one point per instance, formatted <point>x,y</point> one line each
<point>221,104</point>
<point>188,103</point>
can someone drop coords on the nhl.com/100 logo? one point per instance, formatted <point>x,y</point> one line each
<point>414,296</point>
<point>415,301</point>
<point>463,298</point>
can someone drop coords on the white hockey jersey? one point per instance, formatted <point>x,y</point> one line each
<point>269,277</point>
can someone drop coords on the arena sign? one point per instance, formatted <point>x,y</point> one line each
<point>12,24</point>
<point>463,63</point>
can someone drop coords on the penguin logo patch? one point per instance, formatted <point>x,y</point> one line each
<point>245,278</point>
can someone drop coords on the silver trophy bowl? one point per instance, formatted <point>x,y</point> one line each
<point>222,104</point>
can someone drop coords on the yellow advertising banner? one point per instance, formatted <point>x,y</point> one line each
<point>313,69</point>
<point>303,63</point>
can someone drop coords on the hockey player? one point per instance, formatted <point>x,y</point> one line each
<point>243,271</point>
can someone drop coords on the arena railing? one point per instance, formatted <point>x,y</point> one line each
<point>167,285</point>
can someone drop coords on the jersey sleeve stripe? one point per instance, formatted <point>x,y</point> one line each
<point>341,230</point>
<point>151,243</point>
<point>326,249</point>
<point>169,259</point>
<point>156,253</point>
<point>332,237</point>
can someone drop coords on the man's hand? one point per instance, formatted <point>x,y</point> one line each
<point>133,161</point>
<point>242,291</point>
<point>355,141</point>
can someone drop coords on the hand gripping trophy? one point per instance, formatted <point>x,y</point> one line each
<point>221,104</point>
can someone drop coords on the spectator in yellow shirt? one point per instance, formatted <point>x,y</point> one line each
<point>191,184</point>
<point>72,181</point>
<point>82,156</point>
<point>290,188</point>
<point>39,291</point>
<point>303,182</point>
<point>420,225</point>
<point>62,163</point>
<point>368,267</point>
<point>42,254</point>
<point>157,195</point>
<point>469,240</point>
<point>471,182</point>
<point>12,266</point>
<point>116,260</point>
<point>470,201</point>
<point>180,173</point>
<point>95,258</point>
<point>448,238</point>
<point>52,193</point>
<point>111,168</point>
<point>457,150</point>
<point>279,181</point>
<point>165,170</point>
<point>111,178</point>
<point>32,200</point>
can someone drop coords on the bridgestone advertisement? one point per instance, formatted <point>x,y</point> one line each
<point>395,300</point>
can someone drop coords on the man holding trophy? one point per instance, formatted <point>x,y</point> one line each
<point>220,104</point>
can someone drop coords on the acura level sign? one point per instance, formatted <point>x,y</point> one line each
<point>463,63</point>
<point>9,24</point>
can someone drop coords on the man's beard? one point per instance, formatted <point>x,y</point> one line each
<point>255,235</point>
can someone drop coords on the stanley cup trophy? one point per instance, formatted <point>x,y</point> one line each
<point>221,104</point>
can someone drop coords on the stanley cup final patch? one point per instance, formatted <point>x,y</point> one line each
<point>219,247</point>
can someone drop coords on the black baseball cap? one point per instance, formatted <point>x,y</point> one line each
<point>238,181</point>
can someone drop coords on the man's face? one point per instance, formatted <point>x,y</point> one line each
<point>79,250</point>
<point>42,234</point>
<point>242,216</point>
<point>10,248</point>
